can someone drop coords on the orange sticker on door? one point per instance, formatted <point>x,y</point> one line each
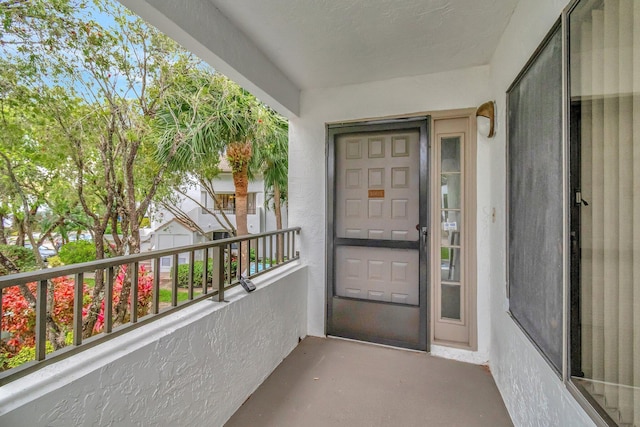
<point>376,194</point>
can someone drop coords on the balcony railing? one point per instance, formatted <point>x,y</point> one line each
<point>265,252</point>
<point>230,211</point>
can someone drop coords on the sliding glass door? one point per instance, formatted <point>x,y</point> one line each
<point>604,67</point>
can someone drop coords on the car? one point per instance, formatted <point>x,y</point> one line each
<point>45,252</point>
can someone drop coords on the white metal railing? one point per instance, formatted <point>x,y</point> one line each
<point>265,252</point>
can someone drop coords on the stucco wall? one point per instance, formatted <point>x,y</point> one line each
<point>533,393</point>
<point>307,170</point>
<point>194,367</point>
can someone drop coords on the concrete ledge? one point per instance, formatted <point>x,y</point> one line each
<point>193,367</point>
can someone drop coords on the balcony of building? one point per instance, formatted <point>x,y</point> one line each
<point>524,236</point>
<point>197,362</point>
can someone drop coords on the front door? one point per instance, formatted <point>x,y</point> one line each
<point>377,252</point>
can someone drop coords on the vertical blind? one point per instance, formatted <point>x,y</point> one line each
<point>605,76</point>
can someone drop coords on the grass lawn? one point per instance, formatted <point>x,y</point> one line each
<point>165,295</point>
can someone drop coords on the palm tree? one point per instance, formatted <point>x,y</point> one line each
<point>272,156</point>
<point>210,117</point>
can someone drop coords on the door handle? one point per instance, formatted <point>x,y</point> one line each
<point>424,233</point>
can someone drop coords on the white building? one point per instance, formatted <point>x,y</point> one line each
<point>169,232</point>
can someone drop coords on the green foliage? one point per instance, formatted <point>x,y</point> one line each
<point>183,273</point>
<point>109,229</point>
<point>77,252</point>
<point>54,261</point>
<point>22,257</point>
<point>28,353</point>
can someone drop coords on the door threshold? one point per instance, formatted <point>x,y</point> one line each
<point>393,347</point>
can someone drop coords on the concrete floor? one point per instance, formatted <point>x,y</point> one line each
<point>333,382</point>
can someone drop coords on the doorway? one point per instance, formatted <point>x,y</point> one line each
<point>378,211</point>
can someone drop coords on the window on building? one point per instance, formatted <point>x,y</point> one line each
<point>535,199</point>
<point>604,130</point>
<point>205,201</point>
<point>453,214</point>
<point>227,204</point>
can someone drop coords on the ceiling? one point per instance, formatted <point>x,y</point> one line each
<point>324,43</point>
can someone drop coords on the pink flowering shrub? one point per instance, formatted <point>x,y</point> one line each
<point>145,289</point>
<point>19,318</point>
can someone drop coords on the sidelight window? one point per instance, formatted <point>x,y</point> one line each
<point>453,207</point>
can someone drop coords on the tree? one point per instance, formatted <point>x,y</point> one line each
<point>121,73</point>
<point>272,158</point>
<point>213,116</point>
<point>4,215</point>
<point>100,87</point>
<point>32,174</point>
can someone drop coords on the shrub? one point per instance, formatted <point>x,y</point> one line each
<point>28,353</point>
<point>78,251</point>
<point>109,229</point>
<point>183,273</point>
<point>54,261</point>
<point>145,291</point>
<point>19,319</point>
<point>22,257</point>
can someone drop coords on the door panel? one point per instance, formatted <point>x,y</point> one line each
<point>380,274</point>
<point>377,195</point>
<point>377,266</point>
<point>377,186</point>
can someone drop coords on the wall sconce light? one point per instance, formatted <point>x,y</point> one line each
<point>485,115</point>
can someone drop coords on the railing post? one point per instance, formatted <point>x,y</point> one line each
<point>108,301</point>
<point>205,268</point>
<point>293,244</point>
<point>77,308</point>
<point>155,302</point>
<point>134,292</point>
<point>248,267</point>
<point>257,250</point>
<point>264,253</point>
<point>228,251</point>
<point>174,281</point>
<point>192,261</point>
<point>218,273</point>
<point>41,320</point>
<point>271,249</point>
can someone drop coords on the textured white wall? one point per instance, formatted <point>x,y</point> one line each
<point>194,367</point>
<point>533,393</point>
<point>307,170</point>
